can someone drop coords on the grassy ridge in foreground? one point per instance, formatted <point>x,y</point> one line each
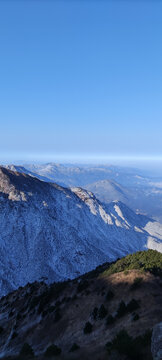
<point>96,316</point>
<point>150,260</point>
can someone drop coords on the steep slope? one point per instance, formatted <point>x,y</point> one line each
<point>47,231</point>
<point>118,301</point>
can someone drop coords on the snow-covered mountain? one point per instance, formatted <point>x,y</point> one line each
<point>48,231</point>
<point>138,190</point>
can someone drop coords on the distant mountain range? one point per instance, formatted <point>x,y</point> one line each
<point>73,175</point>
<point>55,233</point>
<point>138,190</point>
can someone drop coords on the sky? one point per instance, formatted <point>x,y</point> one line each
<point>80,80</point>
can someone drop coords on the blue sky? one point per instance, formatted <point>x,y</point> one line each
<point>80,80</point>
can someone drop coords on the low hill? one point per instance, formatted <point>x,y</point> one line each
<point>108,313</point>
<point>109,190</point>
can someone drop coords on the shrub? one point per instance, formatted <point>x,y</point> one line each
<point>102,312</point>
<point>55,290</point>
<point>51,309</point>
<point>109,295</point>
<point>52,350</point>
<point>126,345</point>
<point>57,315</point>
<point>135,317</point>
<point>110,320</point>
<point>146,337</point>
<point>18,317</point>
<point>58,303</point>
<point>82,285</point>
<point>34,302</point>
<point>95,313</point>
<point>126,272</point>
<point>14,335</point>
<point>87,328</point>
<point>44,313</point>
<point>109,347</point>
<point>122,309</point>
<point>11,313</point>
<point>139,343</point>
<point>133,305</point>
<point>74,347</point>
<point>26,350</point>
<point>44,300</point>
<point>52,293</point>
<point>123,343</point>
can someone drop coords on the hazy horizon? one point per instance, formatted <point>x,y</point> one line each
<point>149,165</point>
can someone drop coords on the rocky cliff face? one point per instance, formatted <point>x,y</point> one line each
<point>51,232</point>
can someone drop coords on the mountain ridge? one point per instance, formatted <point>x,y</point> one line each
<point>58,233</point>
<point>136,188</point>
